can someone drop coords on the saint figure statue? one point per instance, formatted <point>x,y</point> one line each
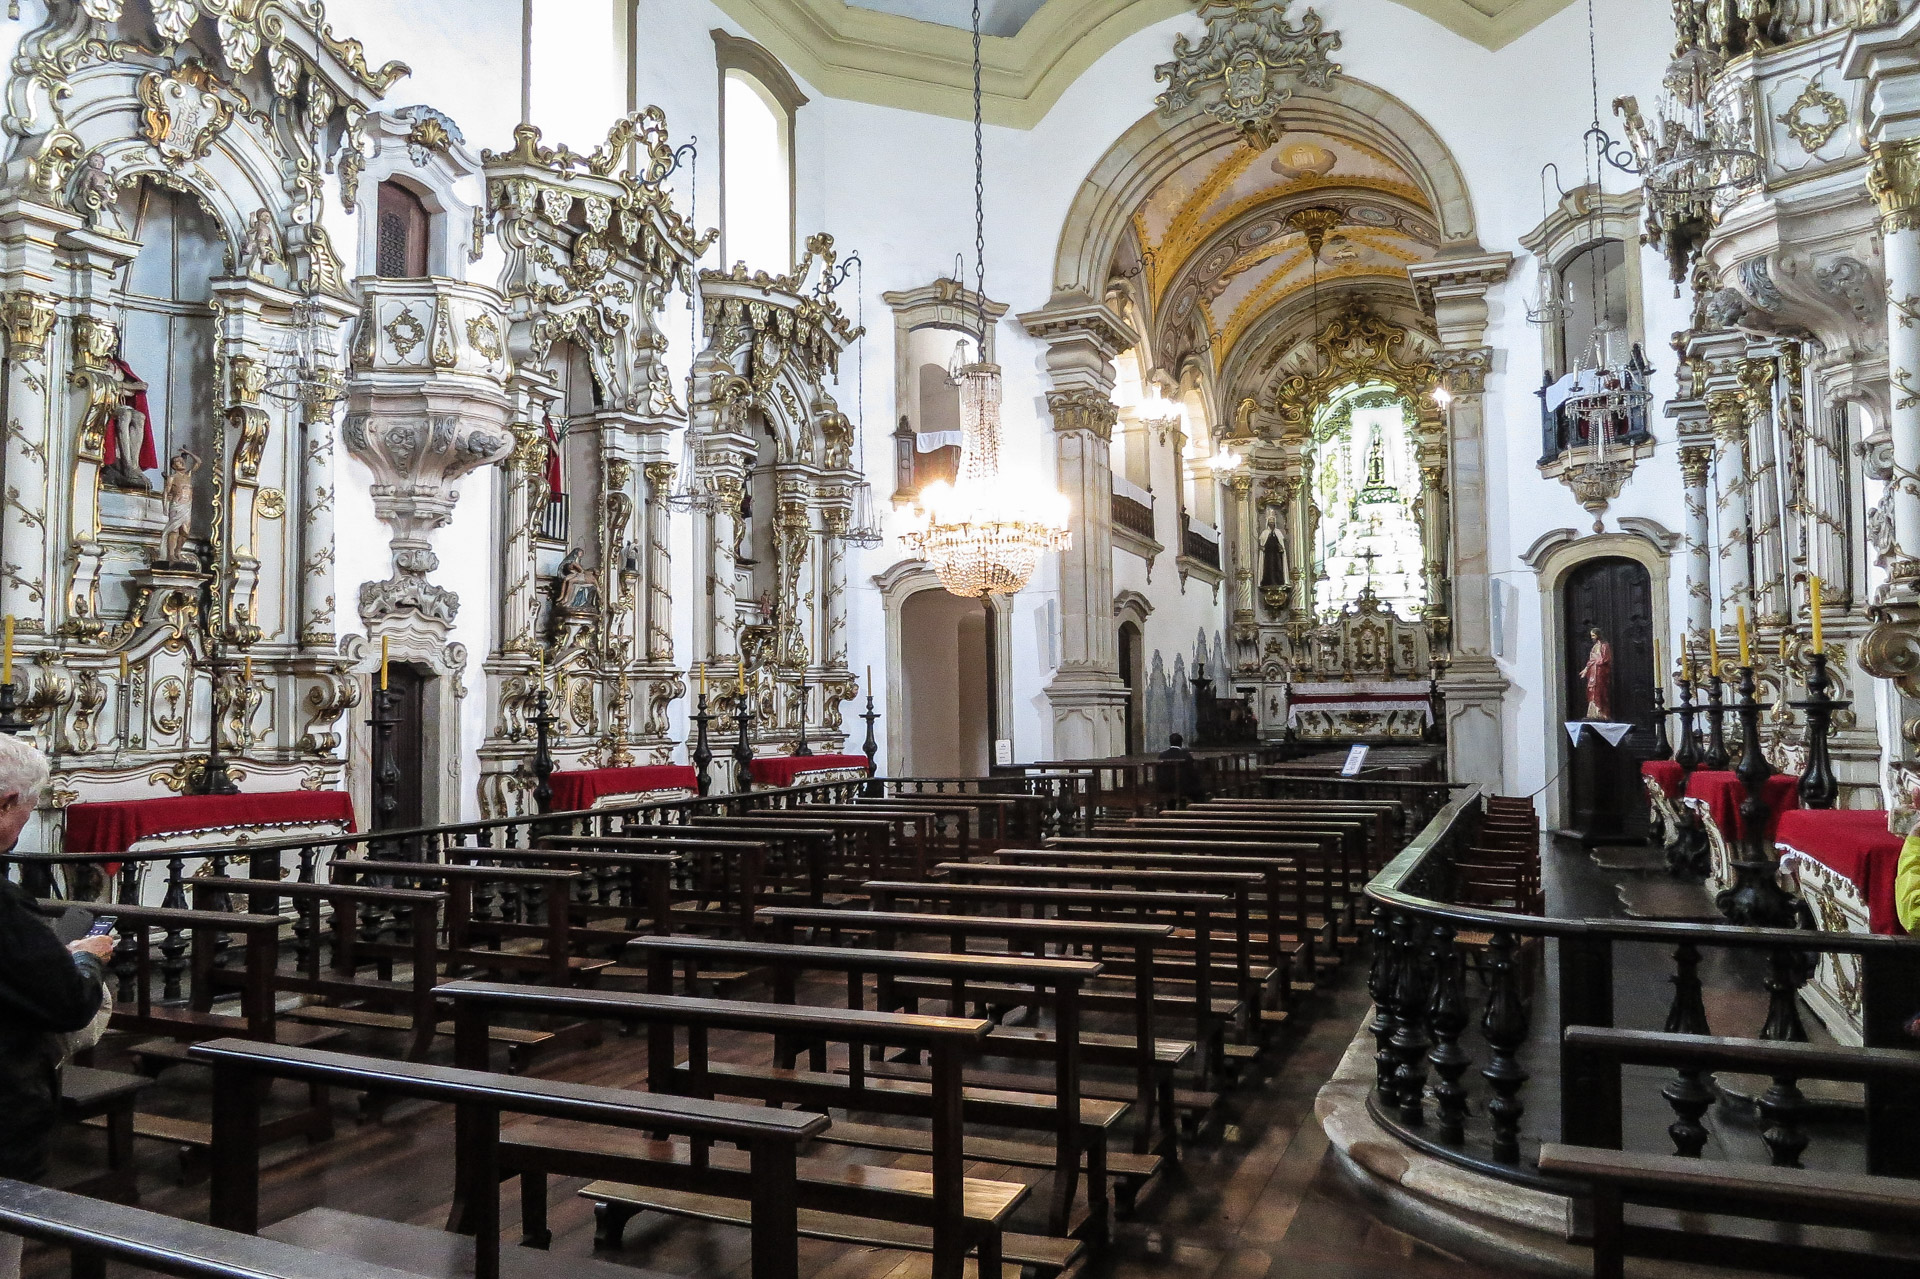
<point>177,498</point>
<point>1598,674</point>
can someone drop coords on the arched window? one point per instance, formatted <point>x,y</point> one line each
<point>758,100</point>
<point>1594,284</point>
<point>401,245</point>
<point>1366,486</point>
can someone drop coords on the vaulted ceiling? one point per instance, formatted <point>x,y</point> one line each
<point>917,54</point>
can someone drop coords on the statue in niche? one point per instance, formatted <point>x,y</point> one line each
<point>178,499</point>
<point>579,589</point>
<point>261,248</point>
<point>743,530</point>
<point>94,194</point>
<point>1273,554</point>
<point>127,446</point>
<point>1598,673</point>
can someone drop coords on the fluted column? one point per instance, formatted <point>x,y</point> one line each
<point>23,526</point>
<point>1895,181</point>
<point>659,618</point>
<point>1771,603</point>
<point>318,593</point>
<point>1695,459</point>
<point>724,522</point>
<point>1731,474</point>
<point>1246,541</point>
<point>833,652</point>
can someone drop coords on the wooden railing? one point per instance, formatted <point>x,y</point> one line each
<point>1456,1055</point>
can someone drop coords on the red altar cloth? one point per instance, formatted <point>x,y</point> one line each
<point>785,770</point>
<point>1851,842</point>
<point>577,789</point>
<point>114,826</point>
<point>1722,792</point>
<point>1668,774</point>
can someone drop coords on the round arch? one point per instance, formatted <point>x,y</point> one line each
<point>901,583</point>
<point>1101,214</point>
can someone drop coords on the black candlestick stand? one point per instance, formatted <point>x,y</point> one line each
<point>702,756</point>
<point>1755,899</point>
<point>801,747</point>
<point>543,722</point>
<point>386,769</point>
<point>742,749</point>
<point>1688,754</point>
<point>216,780</point>
<point>10,721</point>
<point>1717,758</point>
<point>1662,748</point>
<point>1818,786</point>
<point>871,746</point>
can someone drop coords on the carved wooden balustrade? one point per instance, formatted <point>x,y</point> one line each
<point>1471,1007</point>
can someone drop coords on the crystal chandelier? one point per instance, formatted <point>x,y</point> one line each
<point>1610,386</point>
<point>300,365</point>
<point>984,533</point>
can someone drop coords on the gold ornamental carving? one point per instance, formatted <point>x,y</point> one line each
<point>272,504</point>
<point>660,475</point>
<point>484,336</point>
<point>405,332</point>
<point>29,320</point>
<point>182,116</point>
<point>1695,459</point>
<point>1814,117</point>
<point>1244,70</point>
<point>1894,180</point>
<point>1726,415</point>
<point>1355,347</point>
<point>1089,411</point>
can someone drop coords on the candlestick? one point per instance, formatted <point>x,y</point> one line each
<point>1818,786</point>
<point>703,681</point>
<point>246,669</point>
<point>123,668</point>
<point>1755,899</point>
<point>1813,595</point>
<point>6,662</point>
<point>1659,676</point>
<point>1785,636</point>
<point>383,663</point>
<point>1740,629</point>
<point>702,755</point>
<point>1713,652</point>
<point>740,675</point>
<point>1717,758</point>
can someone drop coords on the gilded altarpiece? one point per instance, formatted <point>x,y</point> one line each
<point>159,604</point>
<point>591,257</point>
<point>775,455</point>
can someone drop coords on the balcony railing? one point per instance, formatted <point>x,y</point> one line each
<point>1132,515</point>
<point>1198,546</point>
<point>553,519</point>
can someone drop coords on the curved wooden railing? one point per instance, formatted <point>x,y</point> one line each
<point>1471,1006</point>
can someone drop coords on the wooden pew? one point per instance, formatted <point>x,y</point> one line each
<point>1196,911</point>
<point>365,1001</point>
<point>948,1212</point>
<point>95,1232</point>
<point>1885,1198</point>
<point>241,1071</point>
<point>1153,1060</point>
<point>631,886</point>
<point>1079,1127</point>
<point>1345,884</point>
<point>874,841</point>
<point>727,870</point>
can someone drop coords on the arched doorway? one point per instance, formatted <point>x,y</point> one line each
<point>1611,597</point>
<point>1132,677</point>
<point>946,684</point>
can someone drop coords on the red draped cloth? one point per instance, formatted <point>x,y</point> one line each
<point>114,826</point>
<point>1722,793</point>
<point>788,770</point>
<point>110,443</point>
<point>576,790</point>
<point>1854,843</point>
<point>1668,774</point>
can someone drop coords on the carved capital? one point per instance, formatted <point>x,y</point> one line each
<point>1894,180</point>
<point>1756,384</point>
<point>1726,416</point>
<point>248,377</point>
<point>29,319</point>
<point>94,341</point>
<point>1464,371</point>
<point>1695,459</point>
<point>1082,411</point>
<point>660,475</point>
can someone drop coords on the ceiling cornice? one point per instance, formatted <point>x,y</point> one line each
<point>868,56</point>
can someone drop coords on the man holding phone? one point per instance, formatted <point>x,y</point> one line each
<point>46,990</point>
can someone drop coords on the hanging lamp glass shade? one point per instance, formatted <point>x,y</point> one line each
<point>984,533</point>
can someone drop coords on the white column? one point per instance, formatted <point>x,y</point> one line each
<point>1694,461</point>
<point>23,527</point>
<point>659,564</point>
<point>1731,477</point>
<point>724,521</point>
<point>1771,599</point>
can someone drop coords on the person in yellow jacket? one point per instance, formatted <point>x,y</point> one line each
<point>1906,902</point>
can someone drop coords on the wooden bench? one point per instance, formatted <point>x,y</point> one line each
<point>107,1096</point>
<point>630,886</point>
<point>956,1214</point>
<point>1886,1197</point>
<point>240,1069</point>
<point>1152,1060</point>
<point>1194,911</point>
<point>1079,1127</point>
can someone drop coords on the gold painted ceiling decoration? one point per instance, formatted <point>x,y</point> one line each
<point>1244,70</point>
<point>1355,347</point>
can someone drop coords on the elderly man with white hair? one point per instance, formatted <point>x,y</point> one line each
<point>46,990</point>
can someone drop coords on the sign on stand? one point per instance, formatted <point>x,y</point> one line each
<point>1356,759</point>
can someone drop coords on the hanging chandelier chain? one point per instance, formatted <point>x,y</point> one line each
<point>979,193</point>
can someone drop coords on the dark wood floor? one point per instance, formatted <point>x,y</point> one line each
<point>1259,1197</point>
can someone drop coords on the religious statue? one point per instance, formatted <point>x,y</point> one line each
<point>579,589</point>
<point>127,446</point>
<point>261,248</point>
<point>94,195</point>
<point>178,500</point>
<point>1273,555</point>
<point>1598,674</point>
<point>743,531</point>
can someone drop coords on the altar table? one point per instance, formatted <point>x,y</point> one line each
<point>1856,845</point>
<point>578,789</point>
<point>115,826</point>
<point>1721,793</point>
<point>792,770</point>
<point>1381,696</point>
<point>1666,774</point>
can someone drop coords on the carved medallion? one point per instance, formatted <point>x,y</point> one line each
<point>1814,117</point>
<point>1245,68</point>
<point>484,335</point>
<point>182,116</point>
<point>272,504</point>
<point>405,332</point>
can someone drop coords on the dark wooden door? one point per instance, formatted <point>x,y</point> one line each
<point>409,745</point>
<point>1614,597</point>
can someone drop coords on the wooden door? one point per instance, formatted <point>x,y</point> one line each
<point>1614,597</point>
<point>409,746</point>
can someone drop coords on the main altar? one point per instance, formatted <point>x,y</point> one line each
<point>1365,674</point>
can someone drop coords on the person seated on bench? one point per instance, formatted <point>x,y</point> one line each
<point>47,991</point>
